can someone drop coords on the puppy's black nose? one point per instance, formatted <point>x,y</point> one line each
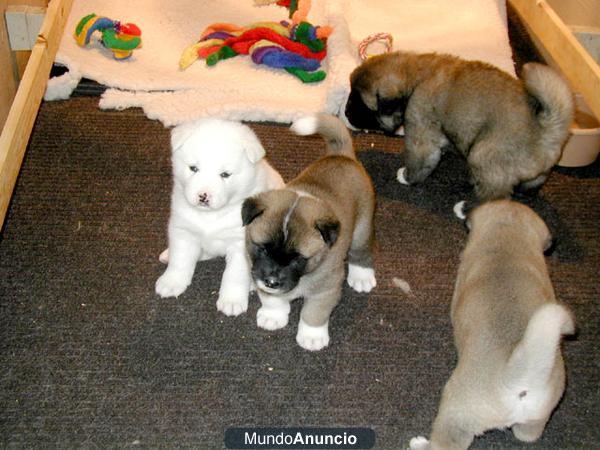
<point>203,198</point>
<point>272,282</point>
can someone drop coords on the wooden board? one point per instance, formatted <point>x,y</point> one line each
<point>8,77</point>
<point>559,45</point>
<point>23,111</point>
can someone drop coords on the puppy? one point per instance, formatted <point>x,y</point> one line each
<point>507,330</point>
<point>510,131</point>
<point>299,237</point>
<point>216,165</point>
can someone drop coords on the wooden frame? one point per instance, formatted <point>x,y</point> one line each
<point>561,49</point>
<point>552,36</point>
<point>22,114</point>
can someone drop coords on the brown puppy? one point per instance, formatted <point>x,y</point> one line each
<point>299,237</point>
<point>507,330</point>
<point>510,131</point>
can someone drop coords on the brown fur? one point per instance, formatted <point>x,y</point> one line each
<point>327,214</point>
<point>507,328</point>
<point>510,131</point>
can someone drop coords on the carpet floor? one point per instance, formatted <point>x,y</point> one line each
<point>90,357</point>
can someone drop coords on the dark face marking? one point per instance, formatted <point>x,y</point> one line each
<point>276,266</point>
<point>359,114</point>
<point>390,112</point>
<point>388,117</point>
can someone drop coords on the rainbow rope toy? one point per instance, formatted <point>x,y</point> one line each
<point>297,48</point>
<point>120,38</point>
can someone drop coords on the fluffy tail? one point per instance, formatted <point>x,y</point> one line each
<point>557,106</point>
<point>333,130</point>
<point>533,358</point>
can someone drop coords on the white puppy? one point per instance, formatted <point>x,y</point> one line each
<point>216,165</point>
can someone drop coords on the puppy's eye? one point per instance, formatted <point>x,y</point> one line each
<point>225,174</point>
<point>194,169</point>
<point>259,249</point>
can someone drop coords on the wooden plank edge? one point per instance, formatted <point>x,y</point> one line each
<point>571,58</point>
<point>21,117</point>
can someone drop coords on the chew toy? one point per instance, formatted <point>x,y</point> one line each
<point>385,38</point>
<point>297,48</point>
<point>120,38</point>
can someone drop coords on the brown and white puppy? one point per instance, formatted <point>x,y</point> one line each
<point>507,330</point>
<point>510,131</point>
<point>299,237</point>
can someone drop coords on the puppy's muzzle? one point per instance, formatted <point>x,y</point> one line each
<point>270,285</point>
<point>272,282</point>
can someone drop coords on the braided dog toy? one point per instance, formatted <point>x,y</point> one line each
<point>120,38</point>
<point>386,38</point>
<point>297,48</point>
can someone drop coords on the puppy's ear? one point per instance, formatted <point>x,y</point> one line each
<point>329,229</point>
<point>252,146</point>
<point>251,209</point>
<point>180,134</point>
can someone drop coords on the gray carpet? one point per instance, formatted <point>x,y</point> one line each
<point>90,357</point>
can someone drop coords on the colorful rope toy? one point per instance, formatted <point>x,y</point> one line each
<point>298,8</point>
<point>386,38</point>
<point>120,38</point>
<point>297,48</point>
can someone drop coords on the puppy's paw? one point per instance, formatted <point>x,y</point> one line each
<point>419,443</point>
<point>401,177</point>
<point>164,256</point>
<point>312,338</point>
<point>232,306</point>
<point>459,210</point>
<point>361,279</point>
<point>271,318</point>
<point>172,284</point>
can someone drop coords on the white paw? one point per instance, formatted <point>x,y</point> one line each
<point>172,284</point>
<point>164,256</point>
<point>361,279</point>
<point>312,338</point>
<point>272,318</point>
<point>419,443</point>
<point>400,175</point>
<point>459,210</point>
<point>232,306</point>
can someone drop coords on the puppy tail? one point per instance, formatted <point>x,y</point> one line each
<point>555,111</point>
<point>533,359</point>
<point>333,130</point>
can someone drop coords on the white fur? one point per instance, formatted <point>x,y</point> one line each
<point>305,126</point>
<point>201,230</point>
<point>400,175</point>
<point>312,338</point>
<point>361,279</point>
<point>419,443</point>
<point>274,312</point>
<point>459,210</point>
<point>531,362</point>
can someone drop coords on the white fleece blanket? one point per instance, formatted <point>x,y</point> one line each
<point>237,88</point>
